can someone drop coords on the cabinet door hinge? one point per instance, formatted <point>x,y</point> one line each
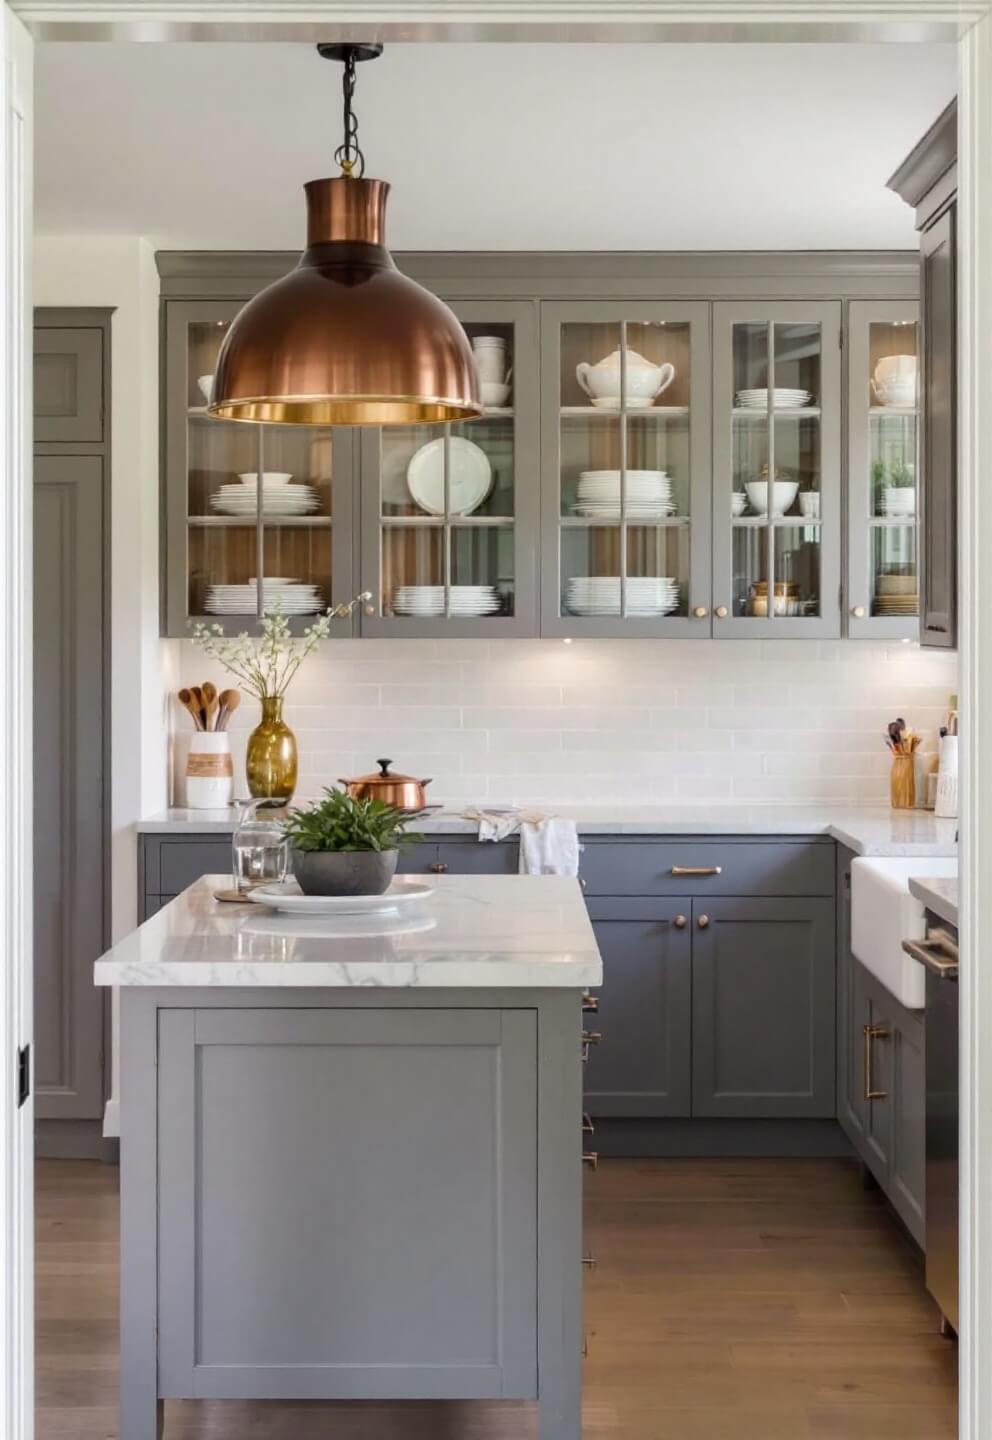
<point>23,1075</point>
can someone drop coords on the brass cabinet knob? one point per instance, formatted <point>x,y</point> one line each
<point>721,612</point>
<point>680,922</point>
<point>858,611</point>
<point>703,922</point>
<point>591,1158</point>
<point>700,612</point>
<point>439,868</point>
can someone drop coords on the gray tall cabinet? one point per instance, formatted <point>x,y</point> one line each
<point>672,454</point>
<point>71,730</point>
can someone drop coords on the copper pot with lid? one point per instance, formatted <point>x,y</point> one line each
<point>404,791</point>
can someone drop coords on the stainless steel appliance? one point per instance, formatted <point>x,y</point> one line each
<point>939,954</point>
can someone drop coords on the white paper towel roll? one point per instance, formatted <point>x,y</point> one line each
<point>947,780</point>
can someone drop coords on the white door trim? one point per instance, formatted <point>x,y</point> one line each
<point>16,1122</point>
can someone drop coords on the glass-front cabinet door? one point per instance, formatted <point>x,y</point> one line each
<point>625,446</point>
<point>256,515</point>
<point>450,512</point>
<point>883,597</point>
<point>776,469</point>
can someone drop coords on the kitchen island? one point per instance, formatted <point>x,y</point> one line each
<point>351,1151</point>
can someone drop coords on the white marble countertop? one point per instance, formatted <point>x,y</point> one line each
<point>939,894</point>
<point>486,931</point>
<point>867,831</point>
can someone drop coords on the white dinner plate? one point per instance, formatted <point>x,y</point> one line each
<point>290,900</point>
<point>470,476</point>
<point>338,927</point>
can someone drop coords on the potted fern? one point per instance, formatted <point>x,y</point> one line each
<point>343,846</point>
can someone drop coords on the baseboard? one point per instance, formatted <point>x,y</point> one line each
<point>70,1140</point>
<point>720,1139</point>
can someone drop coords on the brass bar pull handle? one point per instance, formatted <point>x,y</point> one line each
<point>933,957</point>
<point>589,1261</point>
<point>590,1003</point>
<point>588,1128</point>
<point>591,1158</point>
<point>873,1032</point>
<point>696,870</point>
<point>591,1037</point>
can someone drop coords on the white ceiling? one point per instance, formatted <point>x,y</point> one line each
<point>491,146</point>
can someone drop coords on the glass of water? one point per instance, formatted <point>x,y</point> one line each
<point>259,848</point>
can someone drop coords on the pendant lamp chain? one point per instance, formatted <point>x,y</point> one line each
<point>348,154</point>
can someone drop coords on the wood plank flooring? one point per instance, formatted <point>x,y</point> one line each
<point>732,1300</point>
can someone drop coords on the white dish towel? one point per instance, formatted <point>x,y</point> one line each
<point>549,845</point>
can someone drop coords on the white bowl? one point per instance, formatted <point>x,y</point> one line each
<point>897,393</point>
<point>206,384</point>
<point>784,494</point>
<point>893,369</point>
<point>269,477</point>
<point>737,503</point>
<point>899,502</point>
<point>494,393</point>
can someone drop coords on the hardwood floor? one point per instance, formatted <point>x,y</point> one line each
<point>732,1300</point>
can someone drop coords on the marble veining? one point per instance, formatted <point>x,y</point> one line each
<point>867,831</point>
<point>939,894</point>
<point>489,931</point>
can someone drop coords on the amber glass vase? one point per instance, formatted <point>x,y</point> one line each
<point>271,760</point>
<point>902,782</point>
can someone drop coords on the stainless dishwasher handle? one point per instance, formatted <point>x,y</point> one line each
<point>696,870</point>
<point>937,961</point>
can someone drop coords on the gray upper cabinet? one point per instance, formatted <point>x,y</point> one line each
<point>449,522</point>
<point>927,180</point>
<point>222,530</point>
<point>776,468</point>
<point>763,1033</point>
<point>69,382</point>
<point>625,441</point>
<point>882,435</point>
<point>642,1067</point>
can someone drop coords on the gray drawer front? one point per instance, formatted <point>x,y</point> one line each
<point>180,862</point>
<point>472,857</point>
<point>747,867</point>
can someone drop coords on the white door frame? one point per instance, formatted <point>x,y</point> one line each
<point>16,1120</point>
<point>480,20</point>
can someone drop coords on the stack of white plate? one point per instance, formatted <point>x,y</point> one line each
<point>279,497</point>
<point>428,600</point>
<point>649,495</point>
<point>785,399</point>
<point>600,595</point>
<point>292,597</point>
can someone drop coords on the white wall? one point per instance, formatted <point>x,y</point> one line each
<point>119,272</point>
<point>637,721</point>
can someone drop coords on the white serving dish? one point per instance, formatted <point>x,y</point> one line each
<point>494,393</point>
<point>289,899</point>
<point>269,477</point>
<point>884,914</point>
<point>644,381</point>
<point>784,494</point>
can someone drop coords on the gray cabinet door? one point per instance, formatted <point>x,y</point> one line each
<point>269,1190</point>
<point>68,383</point>
<point>460,857</point>
<point>69,881</point>
<point>641,1068</point>
<point>850,1018</point>
<point>938,559</point>
<point>874,1009</point>
<point>907,1179</point>
<point>763,1008</point>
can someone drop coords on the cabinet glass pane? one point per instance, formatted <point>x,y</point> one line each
<point>892,402</point>
<point>893,464</point>
<point>204,340</point>
<point>895,587</point>
<point>217,454</point>
<point>412,569</point>
<point>299,557</point>
<point>218,555</point>
<point>625,459</point>
<point>798,347</point>
<point>476,562</point>
<point>796,554</point>
<point>482,570</point>
<point>892,365</point>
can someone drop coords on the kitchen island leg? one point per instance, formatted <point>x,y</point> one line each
<point>142,1412</point>
<point>559,1305</point>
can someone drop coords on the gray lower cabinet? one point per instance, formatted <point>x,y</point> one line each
<point>881,1090</point>
<point>641,1068</point>
<point>763,1008</point>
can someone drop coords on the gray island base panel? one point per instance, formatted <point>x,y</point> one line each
<point>344,1182</point>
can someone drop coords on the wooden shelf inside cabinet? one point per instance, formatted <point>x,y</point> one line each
<point>891,522</point>
<point>897,410</point>
<point>436,522</point>
<point>585,522</point>
<point>781,412</point>
<point>780,522</point>
<point>593,412</point>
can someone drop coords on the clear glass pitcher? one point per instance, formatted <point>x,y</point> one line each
<point>259,848</point>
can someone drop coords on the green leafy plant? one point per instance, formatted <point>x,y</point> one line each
<point>342,823</point>
<point>896,476</point>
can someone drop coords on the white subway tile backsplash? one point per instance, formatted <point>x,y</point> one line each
<point>633,721</point>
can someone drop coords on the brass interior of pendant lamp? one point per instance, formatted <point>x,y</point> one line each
<point>345,338</point>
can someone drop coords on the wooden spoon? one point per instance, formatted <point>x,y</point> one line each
<point>210,703</point>
<point>186,699</point>
<point>229,702</point>
<point>197,695</point>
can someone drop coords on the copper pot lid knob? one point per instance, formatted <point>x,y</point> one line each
<point>384,769</point>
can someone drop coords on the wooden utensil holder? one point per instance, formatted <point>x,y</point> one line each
<point>902,782</point>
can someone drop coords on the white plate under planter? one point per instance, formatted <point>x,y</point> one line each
<point>387,923</point>
<point>290,899</point>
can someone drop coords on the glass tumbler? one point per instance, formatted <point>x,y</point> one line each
<point>259,847</point>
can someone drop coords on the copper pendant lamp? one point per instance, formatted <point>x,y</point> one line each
<point>345,338</point>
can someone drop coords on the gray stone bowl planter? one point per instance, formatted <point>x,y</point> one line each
<point>344,872</point>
